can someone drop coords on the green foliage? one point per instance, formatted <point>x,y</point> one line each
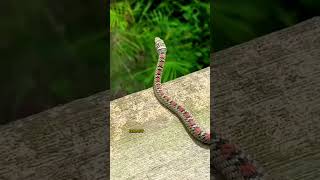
<point>184,26</point>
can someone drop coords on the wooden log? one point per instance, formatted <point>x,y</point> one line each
<point>65,142</point>
<point>266,98</point>
<point>164,150</point>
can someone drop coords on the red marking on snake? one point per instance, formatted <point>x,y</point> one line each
<point>180,108</point>
<point>162,56</point>
<point>248,170</point>
<point>186,114</point>
<point>191,122</point>
<point>197,130</point>
<point>173,103</point>
<point>207,137</point>
<point>227,150</point>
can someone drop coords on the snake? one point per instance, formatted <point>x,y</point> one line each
<point>228,158</point>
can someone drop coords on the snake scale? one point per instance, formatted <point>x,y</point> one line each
<point>228,158</point>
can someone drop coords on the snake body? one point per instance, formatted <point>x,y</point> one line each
<point>228,158</point>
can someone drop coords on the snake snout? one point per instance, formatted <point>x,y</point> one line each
<point>157,39</point>
<point>159,44</point>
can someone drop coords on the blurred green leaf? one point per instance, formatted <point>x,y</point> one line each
<point>133,55</point>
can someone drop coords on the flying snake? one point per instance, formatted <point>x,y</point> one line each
<point>228,158</point>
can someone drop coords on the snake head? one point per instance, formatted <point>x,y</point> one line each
<point>159,44</point>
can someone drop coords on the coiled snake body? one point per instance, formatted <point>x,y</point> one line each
<point>228,159</point>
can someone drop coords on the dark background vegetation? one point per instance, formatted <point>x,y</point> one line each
<point>234,22</point>
<point>53,52</point>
